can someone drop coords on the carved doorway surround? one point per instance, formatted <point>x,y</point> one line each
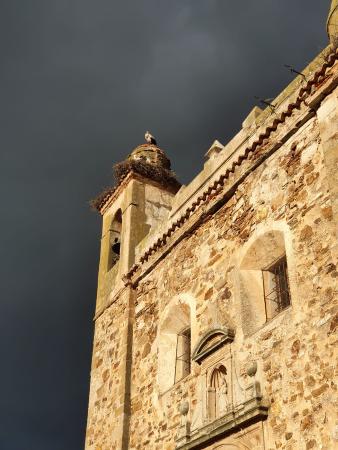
<point>231,409</point>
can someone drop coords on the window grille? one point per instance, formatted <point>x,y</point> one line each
<point>276,288</point>
<point>183,355</point>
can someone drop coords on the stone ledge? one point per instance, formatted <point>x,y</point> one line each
<point>247,413</point>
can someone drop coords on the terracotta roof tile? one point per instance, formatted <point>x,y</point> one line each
<point>248,153</point>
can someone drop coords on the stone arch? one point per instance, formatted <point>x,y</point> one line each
<point>217,376</point>
<point>115,232</point>
<point>178,318</point>
<point>264,250</point>
<point>277,232</point>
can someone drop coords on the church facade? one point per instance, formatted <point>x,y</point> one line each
<point>216,315</point>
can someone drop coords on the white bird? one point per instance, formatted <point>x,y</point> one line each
<point>150,138</point>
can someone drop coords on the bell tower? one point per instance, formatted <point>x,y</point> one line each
<point>140,200</point>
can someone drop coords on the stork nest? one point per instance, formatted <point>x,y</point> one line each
<point>160,175</point>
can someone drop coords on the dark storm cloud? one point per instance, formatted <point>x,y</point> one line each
<point>80,82</point>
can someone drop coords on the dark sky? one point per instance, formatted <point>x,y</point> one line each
<point>80,82</point>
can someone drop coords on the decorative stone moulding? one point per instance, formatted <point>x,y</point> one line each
<point>214,150</point>
<point>252,369</point>
<point>212,341</point>
<point>245,405</point>
<point>251,411</point>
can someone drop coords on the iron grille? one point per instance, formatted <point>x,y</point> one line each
<point>276,287</point>
<point>183,355</point>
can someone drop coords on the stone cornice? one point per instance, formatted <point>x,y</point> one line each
<point>110,198</point>
<point>273,136</point>
<point>249,412</point>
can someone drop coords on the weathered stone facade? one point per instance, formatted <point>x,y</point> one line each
<point>196,260</point>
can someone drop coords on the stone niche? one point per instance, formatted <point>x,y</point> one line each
<point>231,407</point>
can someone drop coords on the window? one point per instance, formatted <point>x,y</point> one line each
<point>263,280</point>
<point>276,288</point>
<point>174,342</point>
<point>115,240</point>
<point>183,355</point>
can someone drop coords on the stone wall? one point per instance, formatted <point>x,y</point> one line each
<point>106,398</point>
<point>294,351</point>
<point>283,198</point>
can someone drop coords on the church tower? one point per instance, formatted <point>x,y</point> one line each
<point>216,315</point>
<point>140,201</point>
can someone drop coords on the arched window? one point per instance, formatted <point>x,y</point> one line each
<point>218,393</point>
<point>115,239</point>
<point>264,281</point>
<point>183,354</point>
<point>276,287</point>
<point>174,345</point>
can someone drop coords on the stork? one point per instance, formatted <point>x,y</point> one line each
<point>150,138</point>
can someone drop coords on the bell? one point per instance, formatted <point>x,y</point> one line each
<point>116,247</point>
